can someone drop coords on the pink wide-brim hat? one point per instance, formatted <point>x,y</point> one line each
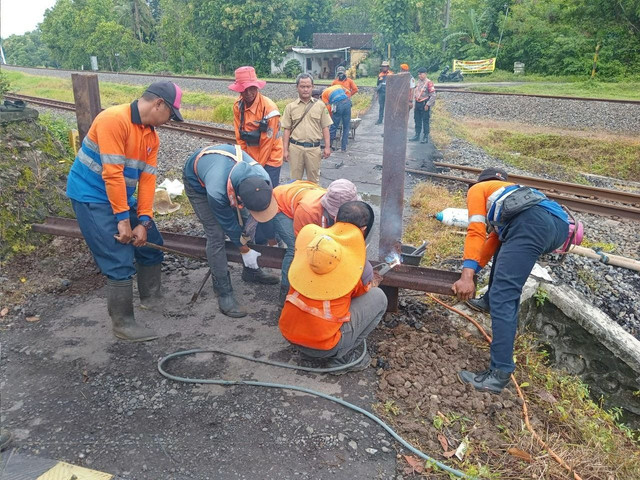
<point>246,77</point>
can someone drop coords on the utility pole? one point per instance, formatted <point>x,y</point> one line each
<point>3,61</point>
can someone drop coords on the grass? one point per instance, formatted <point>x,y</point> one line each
<point>444,242</point>
<point>198,106</point>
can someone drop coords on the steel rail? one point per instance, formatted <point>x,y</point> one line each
<point>403,276</point>
<point>439,87</point>
<point>577,204</point>
<point>560,187</point>
<point>219,134</point>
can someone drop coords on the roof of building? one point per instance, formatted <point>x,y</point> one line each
<point>358,41</point>
<point>316,51</point>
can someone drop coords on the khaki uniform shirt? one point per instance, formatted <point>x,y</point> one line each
<point>310,129</point>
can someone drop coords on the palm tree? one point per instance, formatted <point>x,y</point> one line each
<point>135,14</point>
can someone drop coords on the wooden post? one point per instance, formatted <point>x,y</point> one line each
<point>394,152</point>
<point>595,61</point>
<point>86,94</point>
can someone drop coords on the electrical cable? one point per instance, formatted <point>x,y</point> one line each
<point>371,416</point>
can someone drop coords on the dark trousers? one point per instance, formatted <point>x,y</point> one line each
<point>98,225</point>
<point>381,99</point>
<point>342,116</point>
<point>529,235</point>
<point>421,117</point>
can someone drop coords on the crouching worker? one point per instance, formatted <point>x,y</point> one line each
<point>523,225</point>
<point>120,153</point>
<point>333,303</point>
<point>225,185</point>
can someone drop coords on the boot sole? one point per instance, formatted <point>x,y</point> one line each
<point>236,315</point>
<point>476,388</point>
<point>477,309</point>
<point>133,340</point>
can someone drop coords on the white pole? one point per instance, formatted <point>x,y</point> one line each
<point>3,61</point>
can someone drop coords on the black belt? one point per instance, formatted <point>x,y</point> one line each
<point>304,144</point>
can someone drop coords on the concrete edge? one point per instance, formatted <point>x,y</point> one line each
<point>617,340</point>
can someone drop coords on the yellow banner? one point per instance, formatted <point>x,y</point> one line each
<point>475,66</point>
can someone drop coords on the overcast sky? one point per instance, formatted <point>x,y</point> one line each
<point>20,16</point>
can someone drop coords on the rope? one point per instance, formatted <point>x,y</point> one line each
<point>371,416</point>
<point>525,410</point>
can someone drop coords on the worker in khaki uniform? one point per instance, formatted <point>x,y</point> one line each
<point>256,121</point>
<point>305,121</point>
<point>334,303</point>
<point>302,203</point>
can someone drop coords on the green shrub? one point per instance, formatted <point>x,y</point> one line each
<point>292,68</point>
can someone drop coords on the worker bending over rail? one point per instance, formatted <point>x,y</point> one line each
<point>225,185</point>
<point>120,153</point>
<point>523,224</point>
<point>333,303</point>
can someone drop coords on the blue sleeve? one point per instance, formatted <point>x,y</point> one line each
<point>472,264</point>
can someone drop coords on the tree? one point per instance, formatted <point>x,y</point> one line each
<point>136,15</point>
<point>314,16</point>
<point>27,50</point>
<point>178,44</point>
<point>113,43</point>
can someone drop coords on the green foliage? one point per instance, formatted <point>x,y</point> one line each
<point>292,68</point>
<point>27,50</point>
<point>541,296</point>
<point>4,84</point>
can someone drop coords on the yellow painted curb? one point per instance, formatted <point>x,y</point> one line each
<point>66,471</point>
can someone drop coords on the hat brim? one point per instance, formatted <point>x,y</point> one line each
<point>342,279</point>
<point>176,116</point>
<point>242,86</point>
<point>267,214</point>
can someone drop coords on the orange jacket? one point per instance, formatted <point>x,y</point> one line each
<point>478,246</point>
<point>118,154</point>
<point>269,151</point>
<point>348,84</point>
<point>300,200</point>
<point>316,323</point>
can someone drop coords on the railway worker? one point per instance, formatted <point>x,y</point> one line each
<point>333,303</point>
<point>404,68</point>
<point>381,88</point>
<point>350,87</point>
<point>302,203</point>
<point>256,121</point>
<point>524,224</point>
<point>425,98</point>
<point>337,100</point>
<point>120,153</point>
<point>225,185</point>
<point>306,122</point>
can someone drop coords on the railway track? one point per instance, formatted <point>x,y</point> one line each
<point>218,134</point>
<point>441,88</point>
<point>584,198</point>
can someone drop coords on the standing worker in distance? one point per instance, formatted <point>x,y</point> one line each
<point>120,153</point>
<point>524,225</point>
<point>333,303</point>
<point>339,102</point>
<point>425,98</point>
<point>404,68</point>
<point>256,121</point>
<point>381,88</point>
<point>305,121</point>
<point>225,185</point>
<point>345,82</point>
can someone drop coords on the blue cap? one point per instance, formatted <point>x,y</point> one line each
<point>439,216</point>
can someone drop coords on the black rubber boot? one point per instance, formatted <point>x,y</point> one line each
<point>415,138</point>
<point>425,139</point>
<point>5,439</point>
<point>149,285</point>
<point>257,275</point>
<point>120,306</point>
<point>226,301</point>
<point>492,381</point>
<point>480,304</point>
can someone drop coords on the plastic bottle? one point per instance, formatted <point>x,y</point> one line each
<point>456,217</point>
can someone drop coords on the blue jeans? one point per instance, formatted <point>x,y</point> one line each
<point>529,235</point>
<point>342,115</point>
<point>274,174</point>
<point>284,228</point>
<point>98,225</point>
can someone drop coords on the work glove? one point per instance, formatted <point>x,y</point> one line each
<point>250,259</point>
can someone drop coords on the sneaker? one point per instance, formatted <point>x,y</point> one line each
<point>492,381</point>
<point>347,359</point>
<point>480,304</point>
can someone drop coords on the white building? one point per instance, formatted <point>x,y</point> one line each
<point>319,62</point>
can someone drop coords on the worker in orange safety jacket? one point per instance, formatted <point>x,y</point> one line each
<point>333,303</point>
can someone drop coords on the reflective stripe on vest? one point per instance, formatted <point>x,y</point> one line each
<point>325,313</point>
<point>477,219</point>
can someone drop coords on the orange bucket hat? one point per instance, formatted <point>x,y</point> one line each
<point>328,262</point>
<point>246,77</point>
